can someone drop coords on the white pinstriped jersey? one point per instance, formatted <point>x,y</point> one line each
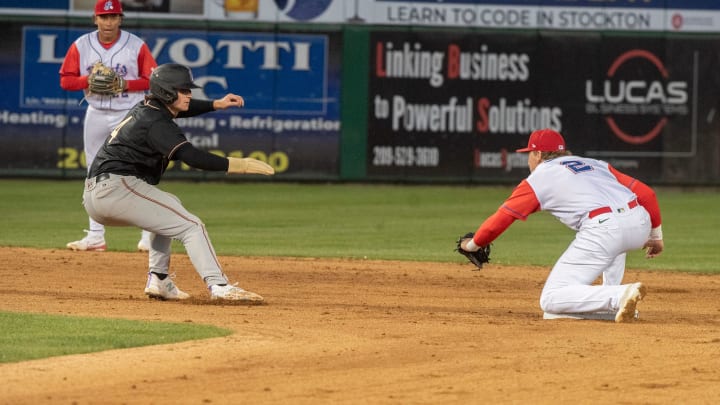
<point>122,57</point>
<point>569,187</point>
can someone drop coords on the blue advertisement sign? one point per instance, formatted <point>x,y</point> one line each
<point>290,82</point>
<point>46,4</point>
<point>275,73</point>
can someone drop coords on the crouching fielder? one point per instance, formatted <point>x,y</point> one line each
<point>612,213</point>
<point>121,186</point>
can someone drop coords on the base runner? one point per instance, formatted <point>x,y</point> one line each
<point>121,186</point>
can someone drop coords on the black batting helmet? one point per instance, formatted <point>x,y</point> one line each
<point>166,79</point>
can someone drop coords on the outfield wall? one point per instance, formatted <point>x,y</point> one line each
<point>362,102</point>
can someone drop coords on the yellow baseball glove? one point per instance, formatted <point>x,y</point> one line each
<point>104,80</point>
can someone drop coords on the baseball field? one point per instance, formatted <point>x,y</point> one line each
<point>366,303</point>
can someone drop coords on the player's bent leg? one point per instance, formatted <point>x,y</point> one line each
<point>159,256</point>
<point>569,287</point>
<point>164,215</point>
<point>144,243</point>
<point>615,272</point>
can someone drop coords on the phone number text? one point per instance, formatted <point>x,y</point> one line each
<point>421,156</point>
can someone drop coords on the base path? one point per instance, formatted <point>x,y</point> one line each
<point>366,332</point>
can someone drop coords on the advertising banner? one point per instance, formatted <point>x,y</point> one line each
<point>164,7</point>
<point>593,15</point>
<point>290,83</point>
<point>575,15</point>
<point>614,15</point>
<point>436,101</point>
<point>458,106</point>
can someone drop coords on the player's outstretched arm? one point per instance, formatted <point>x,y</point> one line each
<point>204,160</point>
<point>230,100</point>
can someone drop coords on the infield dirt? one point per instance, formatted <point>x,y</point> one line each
<point>363,332</point>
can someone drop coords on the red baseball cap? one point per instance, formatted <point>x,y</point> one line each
<point>108,7</point>
<point>544,140</point>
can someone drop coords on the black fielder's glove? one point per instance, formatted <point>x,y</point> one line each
<point>479,257</point>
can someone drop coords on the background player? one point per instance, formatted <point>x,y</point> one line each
<point>130,57</point>
<point>612,213</point>
<point>121,191</point>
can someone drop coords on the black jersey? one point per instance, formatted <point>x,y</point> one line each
<point>145,141</point>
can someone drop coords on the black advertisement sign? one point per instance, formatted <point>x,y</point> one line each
<point>445,105</point>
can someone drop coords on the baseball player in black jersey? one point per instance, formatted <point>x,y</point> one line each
<point>120,189</point>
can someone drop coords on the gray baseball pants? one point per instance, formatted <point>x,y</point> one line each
<point>115,200</point>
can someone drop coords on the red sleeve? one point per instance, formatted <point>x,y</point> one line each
<point>146,64</point>
<point>521,203</point>
<point>70,77</point>
<point>645,195</point>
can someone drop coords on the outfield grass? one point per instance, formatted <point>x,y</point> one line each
<point>409,222</point>
<point>36,336</point>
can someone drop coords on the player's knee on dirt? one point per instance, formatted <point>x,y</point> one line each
<point>546,301</point>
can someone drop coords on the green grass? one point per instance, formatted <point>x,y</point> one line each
<point>35,336</point>
<point>312,220</point>
<point>411,222</point>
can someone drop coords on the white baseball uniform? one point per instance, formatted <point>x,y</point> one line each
<point>130,57</point>
<point>612,213</point>
<point>104,113</point>
<point>584,195</point>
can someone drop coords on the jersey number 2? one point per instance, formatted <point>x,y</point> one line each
<point>577,166</point>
